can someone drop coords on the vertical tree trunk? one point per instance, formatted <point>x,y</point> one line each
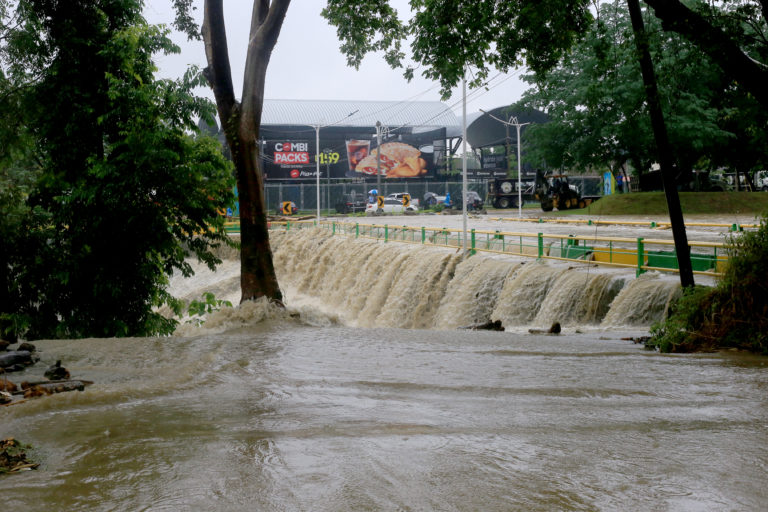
<point>257,273</point>
<point>241,123</point>
<point>664,149</point>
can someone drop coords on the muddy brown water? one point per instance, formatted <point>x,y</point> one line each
<point>267,411</point>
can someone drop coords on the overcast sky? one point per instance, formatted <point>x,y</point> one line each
<point>307,62</point>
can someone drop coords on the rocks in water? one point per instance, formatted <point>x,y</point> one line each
<point>27,346</point>
<point>16,360</point>
<point>4,345</point>
<point>555,329</point>
<point>487,326</point>
<point>56,372</point>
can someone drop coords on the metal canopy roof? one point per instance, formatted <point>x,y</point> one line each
<point>487,131</point>
<point>393,114</point>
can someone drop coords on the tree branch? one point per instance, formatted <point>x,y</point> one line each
<point>218,73</point>
<point>749,74</point>
<point>266,22</point>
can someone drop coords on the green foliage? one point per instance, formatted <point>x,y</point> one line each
<point>110,192</point>
<point>732,314</point>
<point>677,332</point>
<point>200,308</point>
<point>595,99</point>
<point>449,36</point>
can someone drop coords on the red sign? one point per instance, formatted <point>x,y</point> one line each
<point>291,153</point>
<point>292,157</point>
<point>295,173</point>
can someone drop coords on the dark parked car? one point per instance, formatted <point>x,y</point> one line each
<point>351,204</point>
<point>431,199</point>
<point>474,201</point>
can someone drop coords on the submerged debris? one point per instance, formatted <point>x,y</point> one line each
<point>13,456</point>
<point>554,329</point>
<point>487,326</point>
<point>33,389</point>
<point>18,360</point>
<point>57,372</point>
<point>637,339</point>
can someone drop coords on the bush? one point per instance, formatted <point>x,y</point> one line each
<point>733,314</point>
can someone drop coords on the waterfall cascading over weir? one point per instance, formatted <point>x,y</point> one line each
<point>369,283</point>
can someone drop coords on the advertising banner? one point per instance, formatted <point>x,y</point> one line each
<point>495,161</point>
<point>354,154</point>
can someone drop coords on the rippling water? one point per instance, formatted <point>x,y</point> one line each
<point>332,406</point>
<point>281,415</point>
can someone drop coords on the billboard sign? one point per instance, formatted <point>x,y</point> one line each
<point>354,154</point>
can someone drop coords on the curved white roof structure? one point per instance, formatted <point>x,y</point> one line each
<point>415,114</point>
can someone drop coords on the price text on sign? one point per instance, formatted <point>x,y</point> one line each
<point>328,158</point>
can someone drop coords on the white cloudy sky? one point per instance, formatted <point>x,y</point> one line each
<point>307,63</point>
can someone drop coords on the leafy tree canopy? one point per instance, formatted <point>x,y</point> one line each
<point>595,100</point>
<point>105,191</point>
<point>447,36</point>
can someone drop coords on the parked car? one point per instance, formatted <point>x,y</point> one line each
<point>351,204</point>
<point>293,209</point>
<point>391,206</point>
<point>432,199</point>
<point>474,201</point>
<point>399,196</point>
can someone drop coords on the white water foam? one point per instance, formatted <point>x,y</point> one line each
<point>332,279</point>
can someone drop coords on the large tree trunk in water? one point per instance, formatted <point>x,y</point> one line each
<point>241,124</point>
<point>257,272</point>
<point>664,149</point>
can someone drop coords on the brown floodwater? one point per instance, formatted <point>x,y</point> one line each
<point>281,415</point>
<point>367,395</point>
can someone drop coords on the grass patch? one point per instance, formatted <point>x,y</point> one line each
<point>655,203</point>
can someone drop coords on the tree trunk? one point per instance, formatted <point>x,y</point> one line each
<point>241,123</point>
<point>664,149</point>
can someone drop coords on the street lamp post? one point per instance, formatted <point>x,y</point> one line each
<point>512,121</point>
<point>317,154</point>
<point>378,157</point>
<point>317,167</point>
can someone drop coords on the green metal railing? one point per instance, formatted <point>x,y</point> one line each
<point>642,254</point>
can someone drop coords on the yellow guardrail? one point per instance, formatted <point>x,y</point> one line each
<point>642,254</point>
<point>649,224</point>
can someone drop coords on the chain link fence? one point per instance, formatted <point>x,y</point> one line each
<point>304,195</point>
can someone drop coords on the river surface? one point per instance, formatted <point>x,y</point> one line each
<point>264,409</point>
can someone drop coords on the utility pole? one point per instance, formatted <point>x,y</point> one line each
<point>664,148</point>
<point>378,157</point>
<point>512,121</point>
<point>317,167</point>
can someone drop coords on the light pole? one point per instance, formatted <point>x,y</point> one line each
<point>512,121</point>
<point>317,153</point>
<point>464,165</point>
<point>317,169</point>
<point>378,157</point>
